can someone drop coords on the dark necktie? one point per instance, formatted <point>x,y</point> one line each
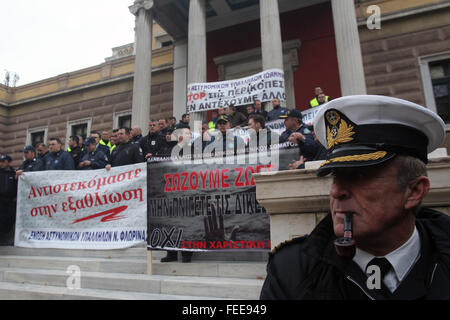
<point>384,265</point>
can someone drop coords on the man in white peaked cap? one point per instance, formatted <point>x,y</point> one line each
<point>377,154</point>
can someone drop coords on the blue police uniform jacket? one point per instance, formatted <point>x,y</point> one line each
<point>308,148</point>
<point>61,160</point>
<point>98,160</point>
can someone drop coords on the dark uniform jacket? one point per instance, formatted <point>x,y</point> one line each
<point>60,160</point>
<point>31,165</point>
<point>98,160</point>
<point>154,143</point>
<point>76,154</point>
<point>125,154</point>
<point>308,148</point>
<point>275,113</point>
<point>309,268</point>
<point>8,183</point>
<point>8,193</point>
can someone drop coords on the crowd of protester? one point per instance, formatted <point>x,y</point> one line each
<point>125,146</point>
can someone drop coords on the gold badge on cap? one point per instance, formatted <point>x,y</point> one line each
<point>338,130</point>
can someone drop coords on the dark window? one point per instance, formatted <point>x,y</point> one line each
<point>166,44</point>
<point>440,77</point>
<point>80,130</point>
<point>37,137</point>
<point>125,121</point>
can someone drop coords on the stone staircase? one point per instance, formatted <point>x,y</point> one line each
<point>121,274</point>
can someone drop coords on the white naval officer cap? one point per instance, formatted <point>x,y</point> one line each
<point>365,130</point>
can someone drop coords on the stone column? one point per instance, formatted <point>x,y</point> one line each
<point>351,71</point>
<point>179,78</point>
<point>197,49</point>
<point>142,85</point>
<point>271,45</point>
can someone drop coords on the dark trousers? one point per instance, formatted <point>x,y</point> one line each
<point>7,221</point>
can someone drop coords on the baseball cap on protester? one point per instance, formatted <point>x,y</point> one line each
<point>29,148</point>
<point>292,113</point>
<point>223,119</point>
<point>366,130</point>
<point>90,140</point>
<point>5,157</point>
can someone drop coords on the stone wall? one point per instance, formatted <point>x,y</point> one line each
<point>98,104</point>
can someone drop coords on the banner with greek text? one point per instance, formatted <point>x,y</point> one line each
<point>264,86</point>
<point>92,209</point>
<point>198,207</point>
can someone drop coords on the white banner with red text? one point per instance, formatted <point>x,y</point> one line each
<point>265,86</point>
<point>92,209</point>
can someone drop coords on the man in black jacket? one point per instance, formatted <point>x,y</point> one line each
<point>94,158</point>
<point>57,159</point>
<point>31,163</point>
<point>126,152</point>
<point>8,193</point>
<point>153,144</point>
<point>401,251</point>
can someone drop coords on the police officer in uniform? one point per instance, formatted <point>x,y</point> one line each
<point>396,249</point>
<point>224,142</point>
<point>8,194</point>
<point>298,133</point>
<point>94,158</point>
<point>31,163</point>
<point>57,159</point>
<point>126,152</point>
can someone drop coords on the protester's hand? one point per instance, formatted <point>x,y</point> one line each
<point>214,227</point>
<point>18,173</point>
<point>296,136</point>
<point>295,164</point>
<point>148,155</point>
<point>108,167</point>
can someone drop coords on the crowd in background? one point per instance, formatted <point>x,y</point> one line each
<point>125,146</point>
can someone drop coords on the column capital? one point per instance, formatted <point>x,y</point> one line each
<point>140,4</point>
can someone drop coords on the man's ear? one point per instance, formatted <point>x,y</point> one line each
<point>416,191</point>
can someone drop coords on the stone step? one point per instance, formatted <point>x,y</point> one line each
<point>227,288</point>
<point>256,256</point>
<point>135,252</point>
<point>226,269</point>
<point>128,265</point>
<point>19,291</point>
<point>230,269</point>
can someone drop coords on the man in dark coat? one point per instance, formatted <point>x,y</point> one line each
<point>94,158</point>
<point>8,193</point>
<point>57,159</point>
<point>396,249</point>
<point>153,144</point>
<point>31,163</point>
<point>126,152</point>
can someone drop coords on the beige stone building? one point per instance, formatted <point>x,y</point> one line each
<point>407,57</point>
<point>95,98</point>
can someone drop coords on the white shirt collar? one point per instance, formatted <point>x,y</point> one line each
<point>402,259</point>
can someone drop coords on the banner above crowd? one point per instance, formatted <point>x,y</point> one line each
<point>92,209</point>
<point>264,86</point>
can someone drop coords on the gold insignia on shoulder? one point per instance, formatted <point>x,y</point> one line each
<point>338,134</point>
